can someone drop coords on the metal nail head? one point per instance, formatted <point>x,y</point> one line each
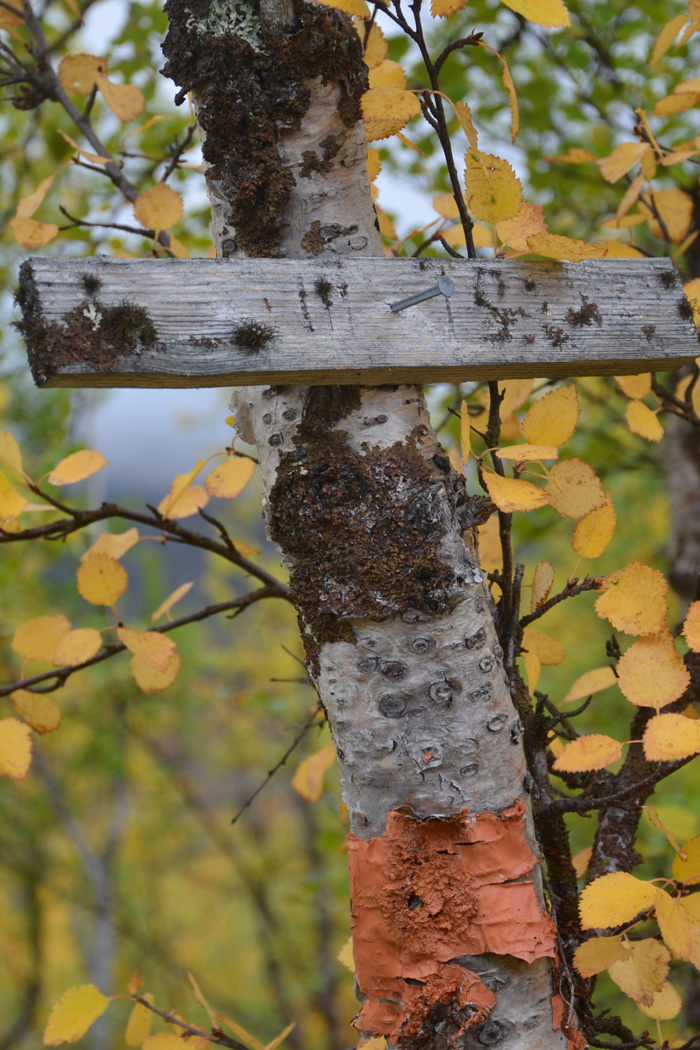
<point>443,287</point>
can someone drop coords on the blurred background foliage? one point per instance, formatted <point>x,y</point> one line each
<point>118,852</point>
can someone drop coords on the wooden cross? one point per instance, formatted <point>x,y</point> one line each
<point>102,322</point>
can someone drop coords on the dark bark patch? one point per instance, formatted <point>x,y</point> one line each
<point>250,83</point>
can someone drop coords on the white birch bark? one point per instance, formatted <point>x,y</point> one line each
<point>396,617</point>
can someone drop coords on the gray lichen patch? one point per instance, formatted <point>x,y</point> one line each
<point>252,85</point>
<point>91,333</point>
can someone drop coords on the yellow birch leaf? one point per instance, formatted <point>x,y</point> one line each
<point>230,478</point>
<point>11,16</point>
<point>358,8</point>
<point>15,748</point>
<point>549,13</point>
<point>135,983</point>
<point>32,234</point>
<point>515,393</point>
<point>591,682</point>
<point>101,579</point>
<point>386,226</point>
<point>556,746</point>
<point>677,102</point>
<point>160,208</point>
<point>574,155</point>
<point>481,236</point>
<point>73,1014</point>
<point>165,1040</point>
<point>346,957</point>
<point>548,649</point>
<point>279,1039</point>
<point>446,206</point>
<point>665,1004</point>
<point>94,158</point>
<point>374,163</point>
<point>641,420</point>
<point>178,248</point>
<point>77,646</point>
<point>139,1024</point>
<point>376,47</point>
<point>386,110</point>
<point>79,73</point>
<point>634,600</point>
<point>581,860</point>
<point>511,494</point>
<point>38,711</point>
<point>187,503</point>
<point>692,293</point>
<point>552,420</point>
<point>10,453</point>
<point>465,433</point>
<point>598,954</point>
<point>240,1032</point>
<point>115,544</point>
<point>150,646</point>
<point>594,530</point>
<point>553,247</point>
<point>528,222</point>
<point>387,74</point>
<point>686,865</point>
<point>644,970</point>
<point>308,778</point>
<point>464,116</point>
<point>533,668</point>
<point>37,639</point>
<point>622,159</point>
<point>666,37</point>
<point>29,204</point>
<point>493,191</point>
<point>624,222</point>
<point>635,387</point>
<point>245,549</point>
<point>542,582</point>
<point>179,486</point>
<point>12,502</point>
<point>125,100</point>
<point>167,605</point>
<point>149,680</point>
<point>674,925</point>
<point>691,907</point>
<point>445,8</point>
<point>675,209</point>
<point>490,550</point>
<point>595,751</point>
<point>574,488</point>
<point>613,899</point>
<point>199,995</point>
<point>691,627</point>
<point>654,818</point>
<point>528,453</point>
<point>652,673</point>
<point>77,467</point>
<point>455,458</point>
<point>692,84</point>
<point>621,250</point>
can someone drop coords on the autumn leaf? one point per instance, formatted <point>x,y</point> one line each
<point>79,73</point>
<point>549,651</point>
<point>163,1041</point>
<point>669,737</point>
<point>589,683</point>
<point>652,673</point>
<point>641,420</point>
<point>375,46</point>
<point>528,222</point>
<point>598,953</point>
<point>374,163</point>
<point>152,647</point>
<point>686,865</point>
<point>77,646</point>
<point>549,13</point>
<point>691,627</point>
<point>674,208</point>
<point>388,74</point>
<point>634,600</point>
<point>553,247</point>
<point>160,208</point>
<point>149,679</point>
<point>101,579</point>
<point>574,488</point>
<point>674,925</point>
<point>125,100</point>
<point>528,453</point>
<point>75,1012</point>
<point>444,8</point>
<point>511,494</point>
<point>38,638</point>
<point>665,1004</point>
<point>622,159</point>
<point>40,712</point>
<point>668,34</point>
<point>346,957</point>
<point>15,748</point>
<point>230,478</point>
<point>139,1024</point>
<point>493,191</point>
<point>644,970</point>
<point>613,899</point>
<point>32,234</point>
<point>594,751</point>
<point>446,206</point>
<point>594,530</point>
<point>115,544</point>
<point>542,582</point>
<point>308,778</point>
<point>552,420</point>
<point>10,453</point>
<point>166,605</point>
<point>386,110</point>
<point>168,506</point>
<point>464,116</point>
<point>358,8</point>
<point>188,502</point>
<point>77,467</point>
<point>635,387</point>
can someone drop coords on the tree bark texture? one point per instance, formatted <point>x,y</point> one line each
<point>452,943</point>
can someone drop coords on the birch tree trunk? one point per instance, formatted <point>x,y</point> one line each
<point>452,944</point>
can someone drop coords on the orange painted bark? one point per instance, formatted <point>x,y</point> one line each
<point>428,892</point>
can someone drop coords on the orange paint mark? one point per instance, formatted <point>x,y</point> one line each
<point>427,892</point>
<point>574,1039</point>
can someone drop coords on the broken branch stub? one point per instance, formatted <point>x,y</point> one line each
<point>111,322</point>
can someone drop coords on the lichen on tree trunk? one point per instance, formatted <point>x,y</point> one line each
<point>376,529</point>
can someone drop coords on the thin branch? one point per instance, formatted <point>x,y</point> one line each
<point>585,805</point>
<point>214,1036</point>
<point>572,588</point>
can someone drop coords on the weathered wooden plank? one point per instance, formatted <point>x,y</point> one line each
<point>104,322</point>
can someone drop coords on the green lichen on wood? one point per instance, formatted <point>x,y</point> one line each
<point>247,92</point>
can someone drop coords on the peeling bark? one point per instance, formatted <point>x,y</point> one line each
<point>395,613</point>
